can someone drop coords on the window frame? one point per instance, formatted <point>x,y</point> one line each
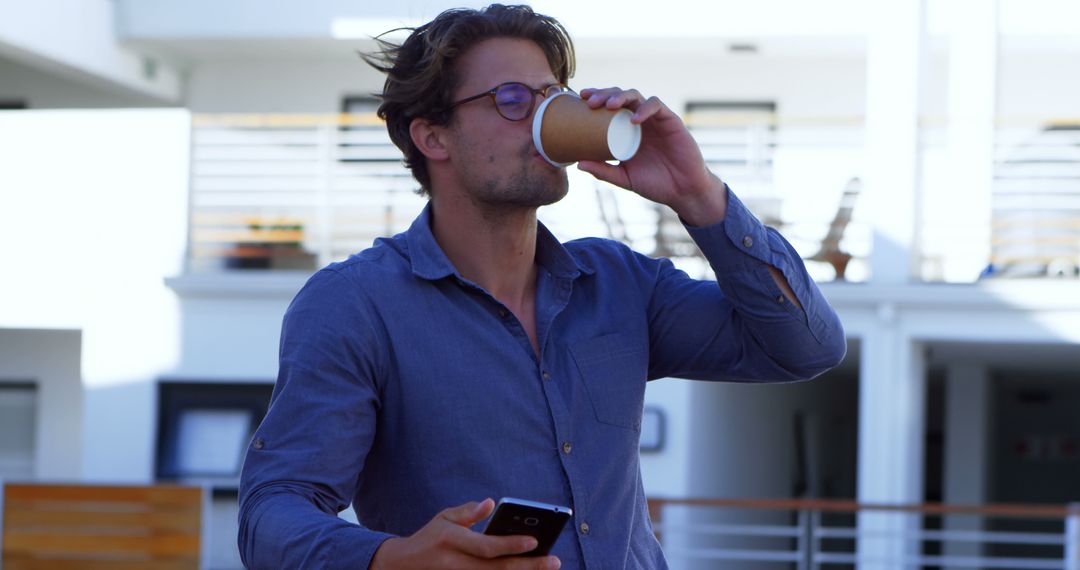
<point>175,397</point>
<point>35,389</point>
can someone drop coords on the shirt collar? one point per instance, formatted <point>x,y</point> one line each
<point>430,262</point>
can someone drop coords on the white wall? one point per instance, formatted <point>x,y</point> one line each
<point>744,434</point>
<point>230,324</point>
<point>50,360</point>
<point>742,445</point>
<point>96,204</point>
<point>283,18</point>
<point>802,86</point>
<point>77,39</point>
<point>251,18</point>
<point>666,473</point>
<point>278,86</point>
<point>679,18</point>
<point>1038,86</point>
<point>41,90</point>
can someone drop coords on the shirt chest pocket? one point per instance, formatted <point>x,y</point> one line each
<point>613,370</point>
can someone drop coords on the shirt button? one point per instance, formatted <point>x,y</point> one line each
<point>503,313</point>
<point>566,447</point>
<point>748,242</point>
<point>780,299</point>
<point>584,528</point>
<point>259,443</point>
<point>546,375</point>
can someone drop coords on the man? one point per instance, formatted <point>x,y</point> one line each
<point>474,357</point>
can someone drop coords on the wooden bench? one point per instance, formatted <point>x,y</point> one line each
<point>91,527</point>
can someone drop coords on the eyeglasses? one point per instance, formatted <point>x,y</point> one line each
<point>513,100</point>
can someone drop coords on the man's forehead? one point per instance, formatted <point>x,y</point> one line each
<point>498,60</point>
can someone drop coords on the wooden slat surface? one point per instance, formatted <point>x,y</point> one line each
<point>46,544</point>
<point>156,495</point>
<point>77,521</point>
<point>83,564</point>
<point>99,526</point>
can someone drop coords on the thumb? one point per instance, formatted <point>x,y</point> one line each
<point>470,513</point>
<point>607,172</point>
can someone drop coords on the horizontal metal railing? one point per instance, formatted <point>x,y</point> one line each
<point>299,191</point>
<point>1036,216</point>
<point>292,191</point>
<point>812,534</point>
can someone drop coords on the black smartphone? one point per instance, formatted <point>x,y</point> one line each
<point>541,521</point>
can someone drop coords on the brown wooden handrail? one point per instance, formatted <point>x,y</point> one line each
<point>829,505</point>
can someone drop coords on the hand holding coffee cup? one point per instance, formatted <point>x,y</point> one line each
<point>566,130</point>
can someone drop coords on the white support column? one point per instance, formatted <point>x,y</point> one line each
<point>967,401</point>
<point>894,66</point>
<point>892,425</point>
<point>972,109</point>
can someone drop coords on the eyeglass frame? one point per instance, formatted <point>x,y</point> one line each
<point>546,92</point>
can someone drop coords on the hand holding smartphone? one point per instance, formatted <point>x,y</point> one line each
<point>541,521</point>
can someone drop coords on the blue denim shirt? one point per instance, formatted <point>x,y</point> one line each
<point>407,389</point>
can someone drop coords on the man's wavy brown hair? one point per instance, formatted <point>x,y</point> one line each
<point>421,74</point>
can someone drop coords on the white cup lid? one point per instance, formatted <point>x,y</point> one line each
<point>623,136</point>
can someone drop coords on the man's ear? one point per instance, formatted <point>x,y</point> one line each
<point>429,138</point>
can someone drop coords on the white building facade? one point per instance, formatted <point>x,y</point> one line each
<point>171,173</point>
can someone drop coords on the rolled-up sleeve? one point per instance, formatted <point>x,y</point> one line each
<point>742,327</point>
<point>303,462</point>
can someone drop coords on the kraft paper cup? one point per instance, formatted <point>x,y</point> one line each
<point>566,130</point>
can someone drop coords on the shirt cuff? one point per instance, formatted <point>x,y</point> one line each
<point>737,243</point>
<point>360,553</point>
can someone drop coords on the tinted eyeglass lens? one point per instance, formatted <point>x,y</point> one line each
<point>514,101</point>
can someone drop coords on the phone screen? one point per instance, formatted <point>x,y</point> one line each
<point>541,521</point>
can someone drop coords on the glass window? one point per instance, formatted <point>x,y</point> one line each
<point>212,441</point>
<point>652,430</point>
<point>204,429</point>
<point>18,412</point>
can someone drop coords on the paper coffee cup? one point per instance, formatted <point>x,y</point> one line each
<point>566,130</point>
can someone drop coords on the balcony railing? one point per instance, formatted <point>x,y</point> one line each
<point>293,192</point>
<point>1036,216</point>
<point>813,534</point>
<point>300,191</point>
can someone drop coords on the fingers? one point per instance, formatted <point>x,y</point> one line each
<point>448,542</point>
<point>607,172</point>
<point>545,563</point>
<point>612,98</point>
<point>487,546</point>
<point>468,514</point>
<point>650,107</point>
<point>459,537</point>
<point>615,98</point>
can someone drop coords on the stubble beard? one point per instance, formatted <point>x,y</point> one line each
<point>531,186</point>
